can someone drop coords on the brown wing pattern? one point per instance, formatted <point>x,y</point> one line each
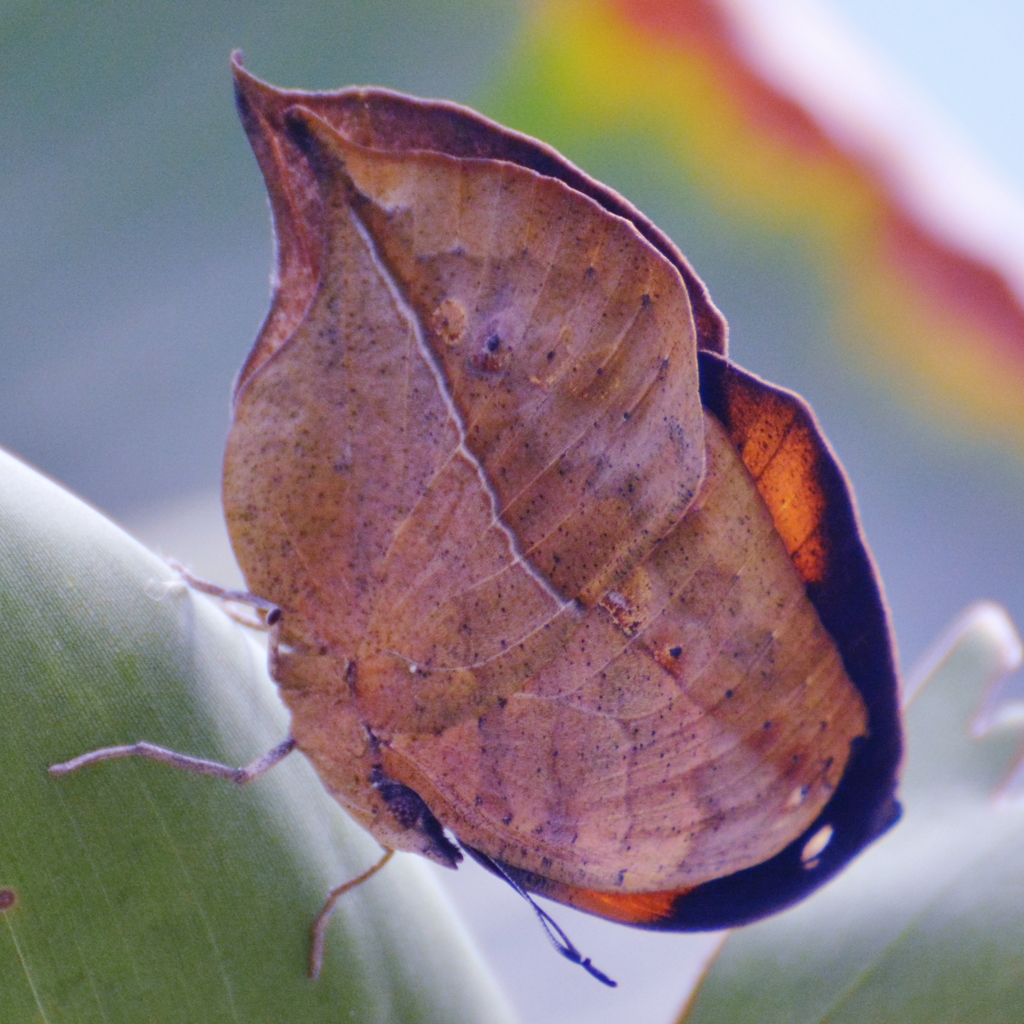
<point>779,439</point>
<point>612,621</point>
<point>391,122</point>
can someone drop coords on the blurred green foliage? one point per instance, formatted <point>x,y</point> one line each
<point>148,894</point>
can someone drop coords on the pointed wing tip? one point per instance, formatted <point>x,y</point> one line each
<point>247,93</point>
<point>253,97</point>
<point>246,83</point>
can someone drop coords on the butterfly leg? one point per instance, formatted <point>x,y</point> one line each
<point>184,762</point>
<point>270,611</point>
<point>196,765</point>
<point>318,933</point>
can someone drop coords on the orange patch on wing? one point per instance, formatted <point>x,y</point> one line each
<point>782,450</point>
<point>627,908</point>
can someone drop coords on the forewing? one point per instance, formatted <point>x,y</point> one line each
<point>473,432</point>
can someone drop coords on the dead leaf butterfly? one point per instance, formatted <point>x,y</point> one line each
<point>549,574</point>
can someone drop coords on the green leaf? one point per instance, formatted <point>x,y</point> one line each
<point>927,925</point>
<point>146,894</point>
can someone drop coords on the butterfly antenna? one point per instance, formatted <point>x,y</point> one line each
<point>551,927</point>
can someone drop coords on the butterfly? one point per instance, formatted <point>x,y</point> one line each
<point>546,573</point>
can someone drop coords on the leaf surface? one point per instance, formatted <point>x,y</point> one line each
<point>141,893</point>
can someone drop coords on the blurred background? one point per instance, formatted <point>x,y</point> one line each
<point>845,176</point>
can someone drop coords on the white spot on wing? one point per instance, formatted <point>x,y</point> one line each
<point>815,846</point>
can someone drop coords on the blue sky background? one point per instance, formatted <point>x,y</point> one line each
<point>967,56</point>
